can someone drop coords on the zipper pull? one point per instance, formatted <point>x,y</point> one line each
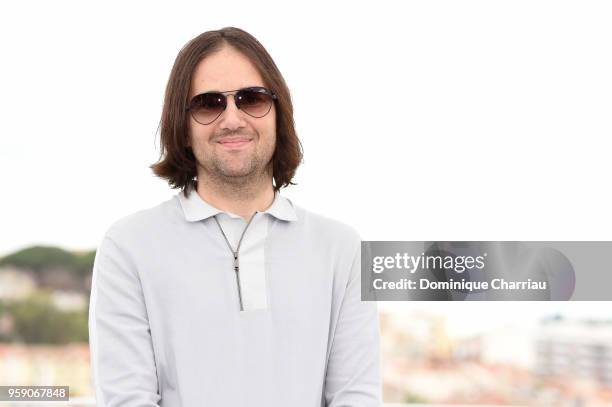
<point>236,267</point>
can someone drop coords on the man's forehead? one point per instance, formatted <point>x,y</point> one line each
<point>224,71</point>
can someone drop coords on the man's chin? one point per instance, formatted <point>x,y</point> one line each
<point>235,171</point>
<point>241,172</point>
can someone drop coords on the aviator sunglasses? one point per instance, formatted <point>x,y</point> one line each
<point>255,101</point>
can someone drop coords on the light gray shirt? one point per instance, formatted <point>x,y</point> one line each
<point>173,323</point>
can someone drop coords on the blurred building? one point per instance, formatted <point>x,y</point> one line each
<point>16,284</point>
<point>573,349</point>
<point>68,300</point>
<point>510,344</point>
<point>49,365</point>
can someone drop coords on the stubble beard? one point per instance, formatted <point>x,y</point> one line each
<point>253,172</point>
<point>227,172</point>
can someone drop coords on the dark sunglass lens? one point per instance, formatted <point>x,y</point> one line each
<point>206,107</point>
<point>254,103</point>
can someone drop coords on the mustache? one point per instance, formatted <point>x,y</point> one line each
<point>234,134</point>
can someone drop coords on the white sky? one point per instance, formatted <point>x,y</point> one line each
<point>476,120</point>
<point>480,120</point>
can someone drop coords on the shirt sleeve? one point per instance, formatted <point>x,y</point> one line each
<point>353,370</point>
<point>122,358</point>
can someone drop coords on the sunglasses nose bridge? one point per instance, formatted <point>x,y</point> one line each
<point>233,95</point>
<point>227,97</point>
<point>227,109</point>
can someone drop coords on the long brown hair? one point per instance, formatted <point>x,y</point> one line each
<point>176,163</point>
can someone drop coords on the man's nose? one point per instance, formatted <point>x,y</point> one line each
<point>232,117</point>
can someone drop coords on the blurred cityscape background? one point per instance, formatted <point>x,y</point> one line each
<point>488,353</point>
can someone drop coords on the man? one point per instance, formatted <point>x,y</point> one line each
<point>228,294</point>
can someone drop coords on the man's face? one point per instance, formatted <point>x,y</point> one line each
<point>217,157</point>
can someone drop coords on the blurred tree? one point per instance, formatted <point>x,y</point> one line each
<point>84,262</point>
<point>36,320</point>
<point>39,258</point>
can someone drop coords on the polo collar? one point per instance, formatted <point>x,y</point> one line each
<point>195,208</point>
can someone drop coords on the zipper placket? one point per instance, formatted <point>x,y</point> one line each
<point>236,253</point>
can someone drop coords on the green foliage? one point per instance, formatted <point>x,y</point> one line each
<point>84,262</point>
<point>411,398</point>
<point>36,320</point>
<point>38,258</point>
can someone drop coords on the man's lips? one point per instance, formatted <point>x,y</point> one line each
<point>234,142</point>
